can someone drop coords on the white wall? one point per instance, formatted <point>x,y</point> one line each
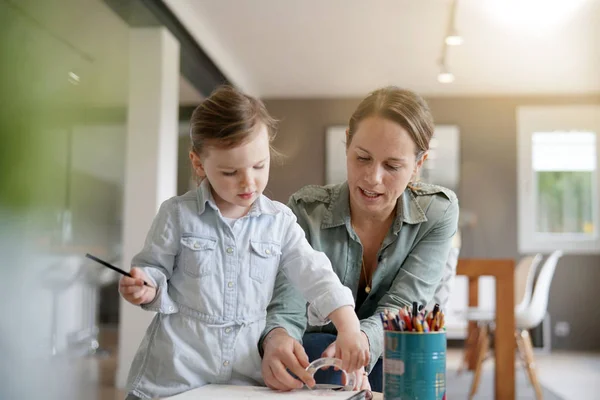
<point>151,160</point>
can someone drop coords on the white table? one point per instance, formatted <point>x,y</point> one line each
<point>232,392</point>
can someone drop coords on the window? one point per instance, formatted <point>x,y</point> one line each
<point>558,179</point>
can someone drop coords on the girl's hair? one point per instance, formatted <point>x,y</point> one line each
<point>403,107</point>
<point>227,118</point>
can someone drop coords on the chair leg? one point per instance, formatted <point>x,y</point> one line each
<point>469,349</point>
<point>526,349</point>
<point>520,348</point>
<point>483,344</point>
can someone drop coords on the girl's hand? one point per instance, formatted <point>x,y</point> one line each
<point>361,380</point>
<point>352,348</point>
<point>133,289</point>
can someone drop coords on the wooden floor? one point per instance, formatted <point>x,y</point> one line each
<point>107,366</point>
<point>570,375</point>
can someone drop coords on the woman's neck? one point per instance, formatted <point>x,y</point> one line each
<point>370,222</point>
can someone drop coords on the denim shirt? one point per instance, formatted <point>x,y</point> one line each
<point>221,277</point>
<point>411,259</point>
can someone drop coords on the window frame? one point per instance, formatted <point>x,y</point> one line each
<point>532,119</point>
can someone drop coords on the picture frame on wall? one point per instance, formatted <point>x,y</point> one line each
<point>335,154</point>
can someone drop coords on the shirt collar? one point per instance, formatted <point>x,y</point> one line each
<point>205,196</point>
<point>408,209</point>
<point>262,205</point>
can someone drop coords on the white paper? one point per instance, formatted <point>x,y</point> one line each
<point>232,392</point>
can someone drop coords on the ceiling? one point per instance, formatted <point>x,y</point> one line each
<point>345,48</point>
<point>89,40</point>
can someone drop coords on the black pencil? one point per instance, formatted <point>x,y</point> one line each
<point>107,265</point>
<point>360,395</point>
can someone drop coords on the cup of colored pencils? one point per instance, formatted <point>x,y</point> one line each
<point>413,319</point>
<point>414,357</point>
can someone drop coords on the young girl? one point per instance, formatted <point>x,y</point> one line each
<point>211,258</point>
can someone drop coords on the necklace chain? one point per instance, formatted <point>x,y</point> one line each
<point>363,268</point>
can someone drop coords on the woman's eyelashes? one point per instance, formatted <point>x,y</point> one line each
<point>390,167</point>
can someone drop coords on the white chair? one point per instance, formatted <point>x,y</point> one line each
<point>527,316</point>
<point>94,278</point>
<point>444,289</point>
<point>524,278</point>
<point>532,315</point>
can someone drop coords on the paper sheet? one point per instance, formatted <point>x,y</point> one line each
<point>232,392</point>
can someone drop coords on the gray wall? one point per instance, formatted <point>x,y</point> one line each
<point>488,187</point>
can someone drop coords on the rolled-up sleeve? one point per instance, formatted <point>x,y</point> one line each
<point>311,273</point>
<point>287,310</point>
<point>157,258</point>
<point>418,277</point>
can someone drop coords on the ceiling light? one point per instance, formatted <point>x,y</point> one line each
<point>445,76</point>
<point>454,39</point>
<point>533,16</point>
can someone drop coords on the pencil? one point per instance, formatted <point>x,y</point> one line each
<point>107,265</point>
<point>360,395</point>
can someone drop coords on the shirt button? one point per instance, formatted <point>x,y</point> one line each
<point>227,330</point>
<point>171,308</point>
<point>196,245</point>
<point>268,251</point>
<point>229,250</point>
<point>230,284</point>
<point>226,363</point>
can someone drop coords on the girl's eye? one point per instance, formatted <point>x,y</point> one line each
<point>229,173</point>
<point>393,167</point>
<point>363,158</point>
<point>259,166</point>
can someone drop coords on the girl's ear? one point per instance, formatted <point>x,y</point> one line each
<point>197,165</point>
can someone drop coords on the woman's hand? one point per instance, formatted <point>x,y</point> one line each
<point>133,289</point>
<point>282,353</point>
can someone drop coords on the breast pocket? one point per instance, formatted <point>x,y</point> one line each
<point>198,255</point>
<point>264,259</point>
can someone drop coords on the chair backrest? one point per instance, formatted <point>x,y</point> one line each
<point>524,278</point>
<point>444,289</point>
<point>534,313</point>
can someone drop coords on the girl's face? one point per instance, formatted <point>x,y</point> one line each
<point>238,175</point>
<point>381,161</point>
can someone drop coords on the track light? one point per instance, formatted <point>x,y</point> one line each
<point>454,39</point>
<point>445,76</point>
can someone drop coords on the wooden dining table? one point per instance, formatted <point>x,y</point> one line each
<point>504,337</point>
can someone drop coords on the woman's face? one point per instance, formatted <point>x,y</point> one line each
<point>381,160</point>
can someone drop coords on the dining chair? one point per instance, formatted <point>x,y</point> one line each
<point>526,317</point>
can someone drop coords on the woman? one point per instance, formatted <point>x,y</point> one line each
<point>387,236</point>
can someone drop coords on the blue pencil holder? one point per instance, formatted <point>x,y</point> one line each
<point>414,366</point>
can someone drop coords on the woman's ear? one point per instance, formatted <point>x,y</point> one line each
<point>197,164</point>
<point>420,160</point>
<point>347,139</point>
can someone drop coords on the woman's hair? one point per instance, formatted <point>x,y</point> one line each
<point>228,118</point>
<point>403,107</point>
